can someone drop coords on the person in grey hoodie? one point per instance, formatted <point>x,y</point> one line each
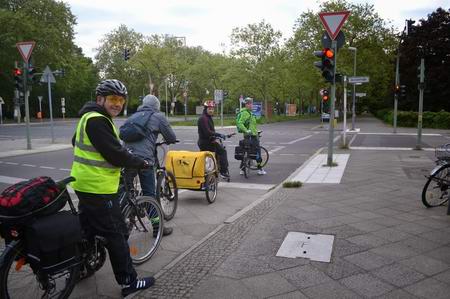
<point>144,148</point>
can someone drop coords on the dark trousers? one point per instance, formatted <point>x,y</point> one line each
<point>221,154</point>
<point>100,215</point>
<point>253,142</point>
<point>146,178</point>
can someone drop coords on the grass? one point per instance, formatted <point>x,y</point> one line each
<point>292,184</point>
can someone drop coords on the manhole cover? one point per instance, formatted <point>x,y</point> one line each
<point>310,246</point>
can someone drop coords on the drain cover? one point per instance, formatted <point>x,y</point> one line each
<point>310,246</point>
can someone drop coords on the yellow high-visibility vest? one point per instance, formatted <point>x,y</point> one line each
<point>92,172</point>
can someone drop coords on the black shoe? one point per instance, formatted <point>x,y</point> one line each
<point>166,231</point>
<point>138,284</point>
<point>225,176</point>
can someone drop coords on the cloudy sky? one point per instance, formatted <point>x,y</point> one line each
<point>208,23</point>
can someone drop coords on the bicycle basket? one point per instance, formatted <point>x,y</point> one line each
<point>443,152</point>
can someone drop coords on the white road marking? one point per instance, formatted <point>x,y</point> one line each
<point>276,149</point>
<point>246,186</point>
<point>353,139</point>
<point>374,148</point>
<point>65,169</point>
<point>11,163</point>
<point>46,167</point>
<point>29,165</point>
<point>399,134</point>
<point>10,180</point>
<point>315,172</point>
<point>296,140</point>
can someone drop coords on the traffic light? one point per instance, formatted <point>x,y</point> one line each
<point>403,90</point>
<point>225,94</point>
<point>18,79</point>
<point>32,77</point>
<point>126,54</point>
<point>397,90</point>
<point>325,96</point>
<point>326,65</point>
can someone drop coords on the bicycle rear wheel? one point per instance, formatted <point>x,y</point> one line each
<point>436,190</point>
<point>264,159</point>
<point>18,280</point>
<point>167,194</point>
<point>145,223</point>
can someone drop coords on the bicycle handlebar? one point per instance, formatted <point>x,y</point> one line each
<point>165,142</point>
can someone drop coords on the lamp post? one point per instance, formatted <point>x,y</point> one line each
<point>354,88</point>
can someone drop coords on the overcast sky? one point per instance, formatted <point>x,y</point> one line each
<point>208,23</point>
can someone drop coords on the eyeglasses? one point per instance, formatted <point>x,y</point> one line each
<point>115,99</point>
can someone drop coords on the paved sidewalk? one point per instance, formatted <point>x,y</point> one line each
<point>387,244</point>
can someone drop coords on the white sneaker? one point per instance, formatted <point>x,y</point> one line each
<point>261,172</point>
<point>241,172</point>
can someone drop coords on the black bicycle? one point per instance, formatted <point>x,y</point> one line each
<point>436,190</point>
<point>22,278</point>
<point>250,155</point>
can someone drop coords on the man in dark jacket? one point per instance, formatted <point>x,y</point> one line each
<point>207,138</point>
<point>155,123</point>
<point>98,158</point>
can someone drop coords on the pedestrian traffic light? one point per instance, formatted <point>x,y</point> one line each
<point>126,54</point>
<point>32,77</point>
<point>18,80</point>
<point>402,90</point>
<point>326,65</point>
<point>325,96</point>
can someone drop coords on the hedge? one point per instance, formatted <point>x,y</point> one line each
<point>437,120</point>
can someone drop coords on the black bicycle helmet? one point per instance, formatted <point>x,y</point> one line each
<point>111,87</point>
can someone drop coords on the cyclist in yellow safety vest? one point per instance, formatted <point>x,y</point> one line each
<point>246,124</point>
<point>98,158</point>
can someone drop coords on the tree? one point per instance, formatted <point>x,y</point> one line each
<point>428,40</point>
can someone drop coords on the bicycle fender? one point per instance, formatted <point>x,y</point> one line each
<point>436,169</point>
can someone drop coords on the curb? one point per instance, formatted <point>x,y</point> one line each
<point>51,148</point>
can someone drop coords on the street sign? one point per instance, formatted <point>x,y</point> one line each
<point>333,21</point>
<point>48,76</point>
<point>360,94</point>
<point>25,49</point>
<point>326,40</point>
<point>218,96</point>
<point>358,79</point>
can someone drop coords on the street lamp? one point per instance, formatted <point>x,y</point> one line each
<point>354,89</point>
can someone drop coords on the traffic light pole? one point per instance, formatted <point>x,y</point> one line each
<point>333,98</point>
<point>51,107</point>
<point>27,108</point>
<point>419,120</point>
<point>397,79</point>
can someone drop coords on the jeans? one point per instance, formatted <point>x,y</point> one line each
<point>221,154</point>
<point>146,178</point>
<point>100,215</point>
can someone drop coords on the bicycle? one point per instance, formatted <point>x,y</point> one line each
<point>436,190</point>
<point>21,279</point>
<point>220,139</point>
<point>250,155</point>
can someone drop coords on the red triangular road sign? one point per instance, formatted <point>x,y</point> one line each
<point>25,49</point>
<point>333,21</point>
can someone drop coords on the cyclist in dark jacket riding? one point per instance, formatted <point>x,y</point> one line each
<point>207,138</point>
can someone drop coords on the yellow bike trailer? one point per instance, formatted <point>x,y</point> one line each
<point>194,171</point>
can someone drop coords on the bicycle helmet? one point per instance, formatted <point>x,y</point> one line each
<point>248,100</point>
<point>111,87</point>
<point>209,104</point>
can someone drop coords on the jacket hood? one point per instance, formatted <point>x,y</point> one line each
<point>93,106</point>
<point>151,101</point>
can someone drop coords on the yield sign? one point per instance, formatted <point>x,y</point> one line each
<point>25,49</point>
<point>333,21</point>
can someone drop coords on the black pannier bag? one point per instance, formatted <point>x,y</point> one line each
<point>239,153</point>
<point>251,146</point>
<point>52,241</point>
<point>31,195</point>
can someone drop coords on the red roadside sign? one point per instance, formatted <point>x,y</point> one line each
<point>333,22</point>
<point>25,49</point>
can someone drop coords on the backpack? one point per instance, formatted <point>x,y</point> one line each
<point>134,128</point>
<point>246,124</point>
<point>28,196</point>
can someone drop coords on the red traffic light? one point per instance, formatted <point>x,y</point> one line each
<point>325,98</point>
<point>17,72</point>
<point>328,53</point>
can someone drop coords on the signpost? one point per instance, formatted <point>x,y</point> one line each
<point>333,22</point>
<point>358,79</point>
<point>1,110</point>
<point>25,50</point>
<point>63,107</point>
<point>421,88</point>
<point>47,77</point>
<point>218,99</point>
<point>40,107</point>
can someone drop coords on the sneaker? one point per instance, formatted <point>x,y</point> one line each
<point>166,231</point>
<point>261,172</point>
<point>241,172</point>
<point>225,177</point>
<point>138,284</point>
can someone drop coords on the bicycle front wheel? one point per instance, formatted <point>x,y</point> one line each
<point>436,190</point>
<point>145,223</point>
<point>264,159</point>
<point>18,280</point>
<point>167,194</point>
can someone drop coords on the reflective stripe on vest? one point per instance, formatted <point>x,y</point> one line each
<point>92,172</point>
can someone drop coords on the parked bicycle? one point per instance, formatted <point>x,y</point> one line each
<point>436,190</point>
<point>250,154</point>
<point>23,277</point>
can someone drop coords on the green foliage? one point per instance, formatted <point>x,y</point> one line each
<point>437,120</point>
<point>292,184</point>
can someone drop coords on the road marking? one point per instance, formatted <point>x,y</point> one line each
<point>65,169</point>
<point>399,134</point>
<point>246,186</point>
<point>353,139</point>
<point>374,148</point>
<point>29,165</point>
<point>296,140</point>
<point>47,167</point>
<point>10,180</point>
<point>11,163</point>
<point>276,149</point>
<point>315,172</point>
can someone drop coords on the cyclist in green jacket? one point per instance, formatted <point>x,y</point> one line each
<point>246,124</point>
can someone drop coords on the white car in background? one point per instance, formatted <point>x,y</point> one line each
<point>325,116</point>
